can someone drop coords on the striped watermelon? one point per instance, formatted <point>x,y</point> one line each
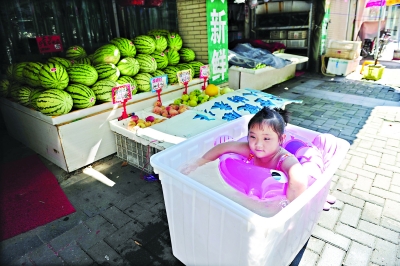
<point>108,71</point>
<point>54,102</point>
<point>75,52</point>
<point>161,43</point>
<point>158,32</point>
<point>31,73</point>
<point>53,76</point>
<point>147,63</point>
<point>144,44</point>
<point>184,66</point>
<point>84,60</point>
<point>4,88</point>
<point>9,72</point>
<point>174,41</point>
<point>196,66</point>
<point>125,79</point>
<point>64,62</point>
<point>82,74</point>
<point>102,89</point>
<point>161,59</point>
<point>82,96</point>
<point>187,55</point>
<point>171,72</point>
<point>90,56</point>
<point>22,95</point>
<point>143,82</point>
<point>108,53</point>
<point>13,89</point>
<point>128,66</point>
<point>18,72</point>
<point>157,73</point>
<point>125,46</point>
<point>34,95</point>
<point>173,57</point>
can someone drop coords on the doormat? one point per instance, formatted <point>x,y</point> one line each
<point>30,196</point>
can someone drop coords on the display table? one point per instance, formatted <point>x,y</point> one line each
<point>260,79</point>
<point>81,137</point>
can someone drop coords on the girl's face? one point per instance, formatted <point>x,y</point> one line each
<point>263,141</point>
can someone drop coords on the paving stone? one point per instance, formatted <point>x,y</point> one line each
<point>372,160</point>
<point>331,237</point>
<point>161,248</point>
<point>379,231</point>
<point>355,235</point>
<point>396,179</point>
<point>350,215</point>
<point>395,189</point>
<point>378,170</point>
<point>338,205</point>
<point>74,255</point>
<point>68,237</point>
<point>358,171</point>
<point>388,167</point>
<point>384,253</point>
<point>346,174</point>
<point>381,181</point>
<point>390,224</point>
<point>368,197</point>
<point>95,236</point>
<point>137,255</point>
<point>129,201</point>
<point>331,256</point>
<point>315,245</point>
<point>358,255</point>
<point>372,213</point>
<point>153,225</point>
<point>309,258</point>
<point>385,194</point>
<point>345,185</point>
<point>390,159</point>
<point>103,254</point>
<point>116,217</point>
<point>44,255</point>
<point>363,183</point>
<point>119,238</point>
<point>349,199</point>
<point>95,222</point>
<point>328,219</point>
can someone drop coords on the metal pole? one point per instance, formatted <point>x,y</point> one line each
<point>115,18</point>
<point>379,33</point>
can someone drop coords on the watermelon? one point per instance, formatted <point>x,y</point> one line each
<point>173,57</point>
<point>53,76</point>
<point>143,82</point>
<point>174,41</point>
<point>161,43</point>
<point>64,62</point>
<point>82,74</point>
<point>196,66</point>
<point>102,89</point>
<point>90,56</point>
<point>158,32</point>
<point>187,55</point>
<point>144,44</point>
<point>18,72</point>
<point>125,46</point>
<point>84,60</point>
<point>4,88</point>
<point>9,72</point>
<point>125,79</point>
<point>31,73</point>
<point>147,63</point>
<point>171,72</point>
<point>75,52</point>
<point>54,102</point>
<point>13,89</point>
<point>184,66</point>
<point>22,95</point>
<point>157,73</point>
<point>161,59</point>
<point>128,66</point>
<point>108,53</point>
<point>108,71</point>
<point>82,96</point>
<point>34,95</point>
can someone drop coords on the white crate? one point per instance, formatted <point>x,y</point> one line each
<point>210,228</point>
<point>297,34</point>
<point>345,45</point>
<point>296,43</point>
<point>342,67</point>
<point>278,34</point>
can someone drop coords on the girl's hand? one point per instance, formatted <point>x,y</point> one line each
<point>190,167</point>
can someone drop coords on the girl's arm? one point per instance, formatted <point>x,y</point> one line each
<point>298,179</point>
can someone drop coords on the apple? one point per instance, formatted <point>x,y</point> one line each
<point>178,101</point>
<point>157,103</point>
<point>135,118</point>
<point>185,97</point>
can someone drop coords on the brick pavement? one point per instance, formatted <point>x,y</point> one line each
<point>127,225</point>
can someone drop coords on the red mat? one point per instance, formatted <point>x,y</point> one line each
<point>30,197</point>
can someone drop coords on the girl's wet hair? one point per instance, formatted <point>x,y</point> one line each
<point>276,118</point>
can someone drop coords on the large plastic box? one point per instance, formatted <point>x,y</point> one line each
<point>343,49</point>
<point>209,228</point>
<point>342,67</point>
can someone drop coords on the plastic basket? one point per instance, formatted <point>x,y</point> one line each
<point>342,53</point>
<point>278,34</point>
<point>296,43</point>
<point>374,72</point>
<point>135,153</point>
<point>297,34</point>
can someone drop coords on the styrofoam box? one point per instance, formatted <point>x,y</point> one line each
<point>296,43</point>
<point>342,67</point>
<point>209,228</point>
<point>345,45</point>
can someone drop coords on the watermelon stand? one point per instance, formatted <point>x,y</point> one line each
<point>81,137</point>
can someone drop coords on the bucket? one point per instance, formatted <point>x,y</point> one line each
<point>396,54</point>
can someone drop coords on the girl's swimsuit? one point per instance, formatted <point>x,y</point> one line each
<point>278,165</point>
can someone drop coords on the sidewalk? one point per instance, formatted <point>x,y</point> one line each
<point>127,225</point>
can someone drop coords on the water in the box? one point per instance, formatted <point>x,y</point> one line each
<point>210,176</point>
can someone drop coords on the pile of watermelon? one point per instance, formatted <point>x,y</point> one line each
<point>79,80</point>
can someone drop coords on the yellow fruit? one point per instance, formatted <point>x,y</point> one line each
<point>211,90</point>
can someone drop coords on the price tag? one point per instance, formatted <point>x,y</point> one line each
<point>204,71</point>
<point>49,43</point>
<point>121,93</point>
<point>184,76</point>
<point>159,83</point>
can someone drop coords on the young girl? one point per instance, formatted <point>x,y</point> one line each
<point>264,148</point>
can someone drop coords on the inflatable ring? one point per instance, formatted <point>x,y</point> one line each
<point>254,181</point>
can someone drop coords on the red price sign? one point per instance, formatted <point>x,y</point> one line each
<point>121,93</point>
<point>204,71</point>
<point>49,44</point>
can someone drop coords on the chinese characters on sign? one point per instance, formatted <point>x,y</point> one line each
<point>121,93</point>
<point>184,76</point>
<point>217,30</point>
<point>159,83</point>
<point>49,44</point>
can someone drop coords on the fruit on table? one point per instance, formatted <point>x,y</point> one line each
<point>225,90</point>
<point>211,90</point>
<point>135,122</point>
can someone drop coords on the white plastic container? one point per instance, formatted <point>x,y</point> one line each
<point>342,67</point>
<point>209,228</point>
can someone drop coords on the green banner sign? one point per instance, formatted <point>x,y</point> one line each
<point>217,35</point>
